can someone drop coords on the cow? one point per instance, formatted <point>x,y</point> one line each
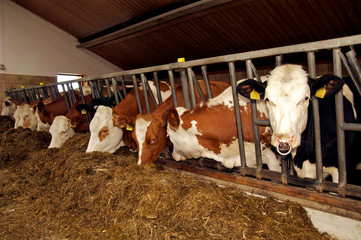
<point>150,133</point>
<point>25,117</point>
<point>64,127</point>
<point>209,131</point>
<point>111,128</point>
<point>8,107</point>
<point>287,95</point>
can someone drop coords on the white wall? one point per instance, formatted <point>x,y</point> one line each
<point>30,45</point>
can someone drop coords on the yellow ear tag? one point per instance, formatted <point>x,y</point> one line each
<point>321,92</point>
<point>181,59</point>
<point>122,126</point>
<point>255,95</point>
<point>129,128</point>
<point>83,111</point>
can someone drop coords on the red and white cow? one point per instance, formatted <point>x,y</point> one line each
<point>8,107</point>
<point>25,117</point>
<point>65,127</point>
<point>287,94</point>
<point>209,131</point>
<point>111,128</point>
<point>150,130</point>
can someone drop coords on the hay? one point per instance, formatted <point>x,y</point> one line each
<point>67,194</point>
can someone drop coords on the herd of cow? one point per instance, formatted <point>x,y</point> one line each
<point>209,129</point>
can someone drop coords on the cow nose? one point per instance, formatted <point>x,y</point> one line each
<point>284,146</point>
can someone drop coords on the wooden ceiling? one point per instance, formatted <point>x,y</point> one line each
<point>137,33</point>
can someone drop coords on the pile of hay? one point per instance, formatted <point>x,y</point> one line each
<point>67,194</point>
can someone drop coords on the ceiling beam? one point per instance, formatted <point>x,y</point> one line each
<point>149,23</point>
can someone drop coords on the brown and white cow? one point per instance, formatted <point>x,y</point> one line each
<point>65,127</point>
<point>111,128</point>
<point>209,131</point>
<point>24,116</point>
<point>8,107</point>
<point>150,130</point>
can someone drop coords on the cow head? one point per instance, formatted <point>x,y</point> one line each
<point>60,131</point>
<point>287,94</point>
<point>150,135</point>
<point>8,107</point>
<point>104,136</point>
<point>25,117</point>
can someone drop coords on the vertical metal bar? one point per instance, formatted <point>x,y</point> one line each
<point>71,95</point>
<point>185,89</point>
<point>66,97</point>
<point>150,92</point>
<point>191,87</point>
<point>172,87</point>
<point>352,75</point>
<point>316,123</point>
<point>51,93</point>
<point>108,88</point>
<point>144,82</point>
<point>123,86</point>
<point>38,93</point>
<point>232,74</point>
<point>199,89</point>
<point>100,88</point>
<point>156,80</point>
<point>83,101</point>
<point>116,93</point>
<point>279,60</point>
<point>351,56</point>
<point>206,81</point>
<point>139,103</point>
<point>56,92</point>
<point>257,141</point>
<point>337,69</point>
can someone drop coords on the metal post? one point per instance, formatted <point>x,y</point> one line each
<point>172,88</point>
<point>279,60</point>
<point>191,87</point>
<point>123,86</point>
<point>108,87</point>
<point>115,87</point>
<point>337,68</point>
<point>83,101</point>
<point>257,141</point>
<point>156,81</point>
<point>351,56</point>
<point>316,123</point>
<point>199,89</point>
<point>137,96</point>
<point>144,82</point>
<point>185,89</point>
<point>232,74</point>
<point>206,81</point>
<point>66,97</point>
<point>352,75</point>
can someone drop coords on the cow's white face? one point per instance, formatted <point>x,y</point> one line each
<point>60,131</point>
<point>104,137</point>
<point>8,107</point>
<point>25,117</point>
<point>287,97</point>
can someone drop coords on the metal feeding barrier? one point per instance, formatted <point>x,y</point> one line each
<point>347,202</point>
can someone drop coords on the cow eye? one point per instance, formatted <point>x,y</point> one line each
<point>154,140</point>
<point>63,132</point>
<point>267,100</point>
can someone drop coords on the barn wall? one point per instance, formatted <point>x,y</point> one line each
<point>31,49</point>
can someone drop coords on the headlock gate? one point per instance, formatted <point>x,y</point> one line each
<point>340,198</point>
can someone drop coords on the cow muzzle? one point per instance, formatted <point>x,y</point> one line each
<point>284,147</point>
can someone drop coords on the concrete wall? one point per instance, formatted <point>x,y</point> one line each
<point>34,51</point>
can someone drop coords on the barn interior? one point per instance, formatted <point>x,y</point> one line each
<point>103,37</point>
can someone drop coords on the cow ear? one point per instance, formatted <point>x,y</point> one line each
<point>326,86</point>
<point>82,107</point>
<point>173,118</point>
<point>251,89</point>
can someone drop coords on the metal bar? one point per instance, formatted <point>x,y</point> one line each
<point>351,56</point>
<point>351,127</point>
<point>100,88</point>
<point>139,103</point>
<point>206,81</point>
<point>108,88</point>
<point>257,141</point>
<point>172,88</point>
<point>156,81</point>
<point>191,88</point>
<point>337,68</point>
<point>184,82</point>
<point>199,89</point>
<point>123,86</point>
<point>232,74</point>
<point>146,101</point>
<point>115,87</point>
<point>72,98</point>
<point>349,70</point>
<point>316,123</point>
<point>66,97</point>
<point>150,92</point>
<point>279,60</point>
<point>83,101</point>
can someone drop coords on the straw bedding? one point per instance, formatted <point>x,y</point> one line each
<point>67,194</point>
